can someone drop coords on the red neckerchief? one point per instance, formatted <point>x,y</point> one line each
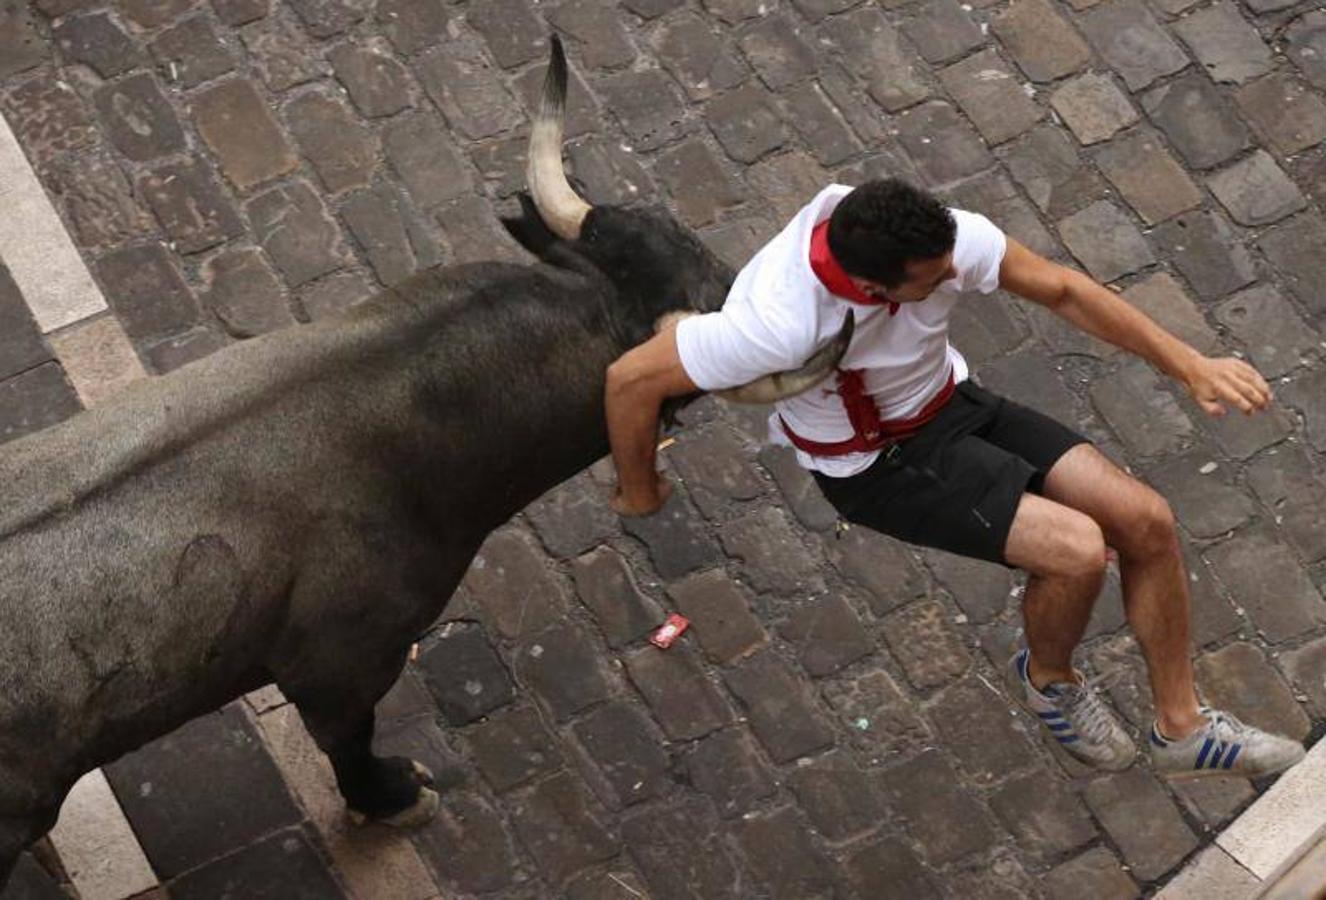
<point>832,276</point>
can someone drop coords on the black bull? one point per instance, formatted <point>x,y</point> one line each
<point>298,508</point>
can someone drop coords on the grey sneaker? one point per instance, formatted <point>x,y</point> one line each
<point>1074,715</point>
<point>1224,747</point>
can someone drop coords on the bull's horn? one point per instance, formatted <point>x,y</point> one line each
<point>559,206</point>
<point>781,385</point>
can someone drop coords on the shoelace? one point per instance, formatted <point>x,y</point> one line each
<point>1227,729</point>
<point>1087,709</point>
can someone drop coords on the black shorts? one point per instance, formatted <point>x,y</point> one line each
<point>957,482</point>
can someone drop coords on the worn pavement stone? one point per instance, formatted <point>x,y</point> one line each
<point>778,51</point>
<point>378,84</point>
<point>773,558</point>
<point>944,819</point>
<point>887,867</point>
<point>720,615</point>
<point>1284,479</point>
<point>1198,120</point>
<point>572,519</point>
<point>21,47</point>
<point>467,843</point>
<point>285,863</point>
<point>942,31</point>
<point>235,122</point>
<point>1096,873</point>
<point>1140,411</point>
<point>987,330</point>
<point>98,42</point>
<point>1224,43</point>
<point>1163,299</point>
<point>728,768</point>
<point>943,146</point>
<point>49,118</point>
<point>1106,242</point>
<point>1276,337</point>
<point>627,751</point>
<point>1294,248</point>
<point>880,565</point>
<point>512,30</point>
<point>1032,379</point>
<point>562,827</point>
<point>785,181</point>
<point>519,593</point>
<point>680,851</point>
<point>140,120</point>
<point>827,635</point>
<point>1287,114</point>
<point>927,648</point>
<point>798,488</point>
<point>1306,670</point>
<point>698,184</point>
<point>696,56</point>
<point>677,541</point>
<point>21,344</point>
<point>1256,191</point>
<point>819,123</point>
<point>1132,42</point>
<point>989,93</point>
<point>682,698</point>
<point>513,746</point>
<point>1043,44</point>
<point>98,202</point>
<point>1214,801</point>
<point>1093,108</point>
<point>1207,252</point>
<point>1204,503</point>
<point>880,718</point>
<point>460,80</point>
<point>782,856</point>
<point>976,726</point>
<point>1142,821</point>
<point>464,673</point>
<point>647,105</point>
<point>1306,39</point>
<point>1239,679</point>
<point>1051,170</point>
<point>716,469</point>
<point>604,584</point>
<point>838,797</point>
<point>426,159</point>
<point>412,25</point>
<point>328,18</point>
<point>192,52</point>
<point>147,292</point>
<point>980,588</point>
<point>35,399</point>
<point>342,150</point>
<point>783,717</point>
<point>565,668</point>
<point>874,53</point>
<point>191,205</point>
<point>297,231</point>
<point>395,240</point>
<point>1152,182</point>
<point>1043,814</point>
<point>245,293</point>
<point>282,54</point>
<point>745,122</point>
<point>1263,576</point>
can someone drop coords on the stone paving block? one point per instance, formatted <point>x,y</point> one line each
<point>745,123</point>
<point>512,747</point>
<point>887,867</point>
<point>1225,45</point>
<point>1284,480</point>
<point>942,31</point>
<point>334,294</point>
<point>21,47</point>
<point>980,588</point>
<point>565,668</point>
<point>609,171</point>
<point>782,856</point>
<point>149,13</point>
<point>192,52</point>
<point>682,698</point>
<point>1242,436</point>
<point>467,844</point>
<point>601,41</point>
<point>383,225</point>
<point>513,31</point>
<point>838,798</point>
<point>819,123</point>
<point>627,752</point>
<point>647,105</point>
<point>977,726</point>
<point>97,358</point>
<point>786,182</point>
<point>1203,501</point>
<point>468,90</point>
<point>342,150</point>
<point>297,231</point>
<point>1106,241</point>
<point>281,866</point>
<point>1214,801</point>
<point>1294,248</point>
<point>1163,299</point>
<point>48,118</point>
<point>21,344</point>
<point>1276,338</point>
<point>1093,108</point>
<point>328,18</point>
<point>873,52</point>
<point>880,565</point>
<point>181,820</point>
<point>1096,873</point>
<point>1263,576</point>
<point>147,292</point>
<point>614,883</point>
<point>378,84</point>
<point>1140,411</point>
<point>773,558</point>
<point>994,195</point>
<point>698,184</point>
<point>96,847</point>
<point>943,146</point>
<point>923,643</point>
<point>857,108</point>
<point>139,118</point>
<point>783,717</point>
<point>778,51</point>
<point>1287,114</point>
<point>573,518</point>
<point>282,54</point>
<point>413,25</point>
<point>562,827</point>
<point>991,96</point>
<point>1212,616</point>
<point>1045,816</point>
<point>727,767</point>
<point>881,720</point>
<point>1212,873</point>
<point>702,63</point>
<point>676,539</point>
<point>1032,378</point>
<point>798,488</point>
<point>426,159</point>
<point>1198,120</point>
<point>986,330</point>
<point>1132,42</point>
<point>1050,169</point>
<point>1042,43</point>
<point>945,820</point>
<point>1207,251</point>
<point>464,673</point>
<point>183,348</point>
<point>1306,39</point>
<point>1152,182</point>
<point>236,124</point>
<point>99,43</point>
<point>194,210</point>
<point>1256,191</point>
<point>606,586</point>
<point>245,294</point>
<point>716,469</point>
<point>1238,679</point>
<point>1142,821</point>
<point>511,579</point>
<point>679,848</point>
<point>827,635</point>
<point>1306,670</point>
<point>98,202</point>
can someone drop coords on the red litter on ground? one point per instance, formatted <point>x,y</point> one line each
<point>670,631</point>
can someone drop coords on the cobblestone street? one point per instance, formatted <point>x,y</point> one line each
<point>834,723</point>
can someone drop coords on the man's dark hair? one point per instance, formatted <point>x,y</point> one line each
<point>877,228</point>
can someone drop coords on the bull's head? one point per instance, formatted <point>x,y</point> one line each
<point>658,268</point>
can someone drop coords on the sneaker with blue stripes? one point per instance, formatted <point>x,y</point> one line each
<point>1225,746</point>
<point>1075,715</point>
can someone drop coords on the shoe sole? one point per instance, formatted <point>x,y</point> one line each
<point>1199,774</point>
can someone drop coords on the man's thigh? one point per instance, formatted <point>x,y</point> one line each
<point>1086,480</point>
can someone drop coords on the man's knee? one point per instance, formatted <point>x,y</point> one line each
<point>1083,552</point>
<point>1151,529</point>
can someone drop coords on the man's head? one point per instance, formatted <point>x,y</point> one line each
<point>894,240</point>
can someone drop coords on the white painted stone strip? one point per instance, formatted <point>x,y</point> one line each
<point>47,269</point>
<point>97,846</point>
<point>1213,875</point>
<point>98,358</point>
<point>1275,829</point>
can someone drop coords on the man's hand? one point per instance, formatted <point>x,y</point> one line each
<point>647,502</point>
<point>1215,382</point>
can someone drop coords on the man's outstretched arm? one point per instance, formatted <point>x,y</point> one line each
<point>1098,311</point>
<point>637,385</point>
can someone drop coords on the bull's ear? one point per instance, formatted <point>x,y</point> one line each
<point>529,229</point>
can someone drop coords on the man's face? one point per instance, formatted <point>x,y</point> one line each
<point>923,276</point>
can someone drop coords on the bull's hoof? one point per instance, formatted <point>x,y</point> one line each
<point>421,812</point>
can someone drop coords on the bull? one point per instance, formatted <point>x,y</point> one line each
<point>297,509</point>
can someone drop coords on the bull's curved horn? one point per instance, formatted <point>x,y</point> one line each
<point>559,205</point>
<point>781,385</point>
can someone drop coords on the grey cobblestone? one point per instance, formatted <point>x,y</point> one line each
<point>1256,191</point>
<point>1093,107</point>
<point>1197,119</point>
<point>1290,117</point>
<point>1042,43</point>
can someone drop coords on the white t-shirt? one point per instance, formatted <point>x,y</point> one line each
<point>779,312</point>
